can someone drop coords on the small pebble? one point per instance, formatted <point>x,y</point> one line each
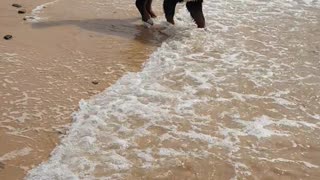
<point>95,82</point>
<point>22,11</point>
<point>16,5</point>
<point>7,37</point>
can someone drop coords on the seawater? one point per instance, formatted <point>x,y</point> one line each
<point>238,100</point>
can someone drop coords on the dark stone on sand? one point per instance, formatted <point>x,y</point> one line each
<point>16,5</point>
<point>2,165</point>
<point>22,11</point>
<point>7,37</point>
<point>95,82</point>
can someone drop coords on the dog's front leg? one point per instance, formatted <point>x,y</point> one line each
<point>195,9</point>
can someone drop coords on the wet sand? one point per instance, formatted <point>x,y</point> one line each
<point>49,66</point>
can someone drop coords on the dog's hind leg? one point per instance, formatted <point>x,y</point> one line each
<point>169,7</point>
<point>195,9</point>
<point>141,5</point>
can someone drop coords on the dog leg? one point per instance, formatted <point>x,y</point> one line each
<point>195,9</point>
<point>169,7</point>
<point>141,5</point>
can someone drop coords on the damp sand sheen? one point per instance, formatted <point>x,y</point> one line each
<point>239,100</point>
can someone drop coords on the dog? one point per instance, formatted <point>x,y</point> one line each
<point>169,6</point>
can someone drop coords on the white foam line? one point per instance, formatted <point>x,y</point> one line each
<point>258,127</point>
<point>35,13</point>
<point>16,153</point>
<point>307,164</point>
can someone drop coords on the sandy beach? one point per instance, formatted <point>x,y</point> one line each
<point>87,92</point>
<point>50,65</point>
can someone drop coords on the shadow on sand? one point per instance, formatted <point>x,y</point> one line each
<point>127,28</point>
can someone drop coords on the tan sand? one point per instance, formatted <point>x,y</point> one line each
<point>48,67</point>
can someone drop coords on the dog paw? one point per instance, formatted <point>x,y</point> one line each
<point>148,23</point>
<point>152,14</point>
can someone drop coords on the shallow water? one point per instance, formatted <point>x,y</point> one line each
<point>239,100</point>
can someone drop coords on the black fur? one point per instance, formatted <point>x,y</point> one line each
<point>169,6</point>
